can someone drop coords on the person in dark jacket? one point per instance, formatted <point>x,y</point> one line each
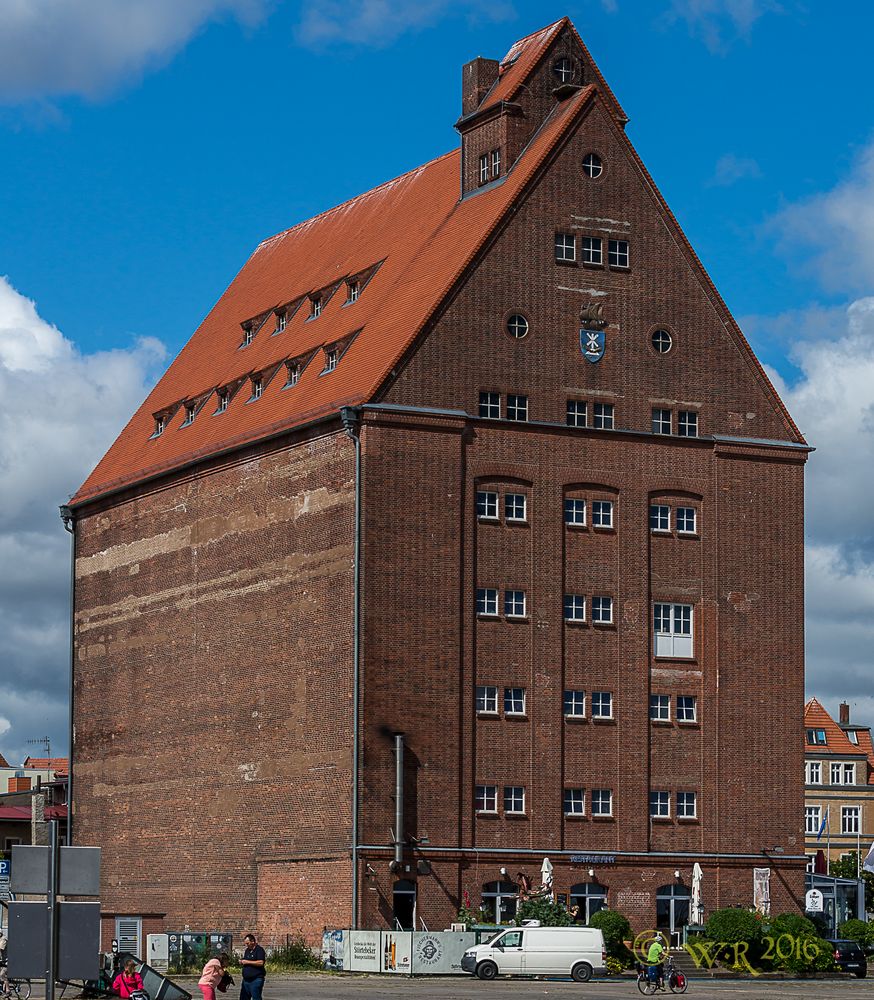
<point>252,962</point>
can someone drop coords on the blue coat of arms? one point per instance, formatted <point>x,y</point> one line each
<point>592,344</point>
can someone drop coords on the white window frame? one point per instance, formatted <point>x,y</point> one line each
<point>574,802</point>
<point>577,506</point>
<point>190,414</point>
<point>575,700</point>
<point>577,408</point>
<point>851,818</point>
<point>516,698</point>
<point>257,389</point>
<point>487,602</point>
<point>835,772</point>
<point>484,168</point>
<point>599,802</point>
<point>332,359</point>
<point>662,420</point>
<point>812,819</point>
<point>816,741</point>
<point>682,712</point>
<point>684,801</point>
<point>687,423</point>
<point>618,253</point>
<point>488,403</point>
<point>515,604</point>
<point>496,163</point>
<point>486,699</point>
<point>686,520</point>
<point>599,701</point>
<point>660,518</point>
<point>574,608</point>
<point>223,398</point>
<point>514,800</point>
<point>602,610</point>
<point>281,322</point>
<point>353,291</point>
<point>487,505</point>
<point>248,336</point>
<point>315,307</point>
<point>591,250</point>
<point>813,772</point>
<point>849,775</point>
<point>565,248</point>
<point>592,165</point>
<point>518,326</point>
<point>563,70</point>
<point>659,708</point>
<point>659,804</point>
<point>294,370</point>
<point>604,416</point>
<point>602,513</point>
<point>517,407</point>
<point>485,799</point>
<point>160,426</point>
<point>671,639</point>
<point>518,502</point>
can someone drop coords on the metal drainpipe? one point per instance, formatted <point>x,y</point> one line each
<point>70,525</point>
<point>351,417</point>
<point>399,800</point>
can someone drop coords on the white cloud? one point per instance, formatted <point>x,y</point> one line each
<point>88,47</point>
<point>731,168</point>
<point>380,22</point>
<point>831,235</point>
<point>715,21</point>
<point>59,411</point>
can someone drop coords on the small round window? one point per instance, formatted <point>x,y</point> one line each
<point>517,326</point>
<point>662,341</point>
<point>592,165</point>
<point>563,70</point>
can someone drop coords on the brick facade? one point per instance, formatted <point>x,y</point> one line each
<point>214,678</point>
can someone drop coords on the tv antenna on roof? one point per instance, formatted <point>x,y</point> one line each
<point>43,741</point>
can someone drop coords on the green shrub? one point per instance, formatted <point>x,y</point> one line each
<point>856,930</point>
<point>616,930</point>
<point>548,913</point>
<point>810,954</point>
<point>796,945</point>
<point>794,924</point>
<point>731,925</point>
<point>614,966</point>
<point>295,955</point>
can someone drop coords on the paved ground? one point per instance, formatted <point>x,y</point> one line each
<point>362,987</point>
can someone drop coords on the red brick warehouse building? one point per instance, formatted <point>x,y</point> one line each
<point>479,468</point>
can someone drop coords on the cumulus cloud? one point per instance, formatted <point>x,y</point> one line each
<point>833,403</point>
<point>831,235</point>
<point>52,48</point>
<point>380,22</point>
<point>59,411</point>
<point>731,168</point>
<point>719,21</point>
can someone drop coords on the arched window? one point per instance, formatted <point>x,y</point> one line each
<point>404,900</point>
<point>672,909</point>
<point>590,897</point>
<point>499,901</point>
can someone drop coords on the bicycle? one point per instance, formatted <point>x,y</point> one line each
<point>676,981</point>
<point>17,988</point>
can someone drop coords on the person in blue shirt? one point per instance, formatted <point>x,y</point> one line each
<point>252,963</point>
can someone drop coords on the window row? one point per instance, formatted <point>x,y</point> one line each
<point>489,166</point>
<point>685,519</point>
<point>574,704</point>
<point>575,609</point>
<point>815,823</point>
<point>492,406</point>
<point>686,805</point>
<point>516,606</point>
<point>685,708</point>
<point>840,773</point>
<point>571,249</point>
<point>580,802</point>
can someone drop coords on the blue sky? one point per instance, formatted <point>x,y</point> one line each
<point>147,147</point>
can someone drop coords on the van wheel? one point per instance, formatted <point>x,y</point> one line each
<point>581,972</point>
<point>486,970</point>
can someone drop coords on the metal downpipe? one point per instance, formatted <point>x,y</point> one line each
<point>70,525</point>
<point>399,801</point>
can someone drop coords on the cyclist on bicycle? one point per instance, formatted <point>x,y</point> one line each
<point>654,961</point>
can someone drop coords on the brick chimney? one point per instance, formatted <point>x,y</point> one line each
<point>18,785</point>
<point>845,713</point>
<point>477,78</point>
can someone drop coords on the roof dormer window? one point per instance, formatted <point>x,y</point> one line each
<point>190,413</point>
<point>294,372</point>
<point>248,336</point>
<point>332,356</point>
<point>353,290</point>
<point>496,163</point>
<point>160,424</point>
<point>257,387</point>
<point>223,398</point>
<point>484,168</point>
<point>315,306</point>
<point>281,321</point>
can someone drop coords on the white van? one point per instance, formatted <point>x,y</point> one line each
<point>540,951</point>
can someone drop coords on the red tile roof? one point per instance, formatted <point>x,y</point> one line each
<point>422,236</point>
<point>58,764</point>
<point>816,717</point>
<point>3,761</point>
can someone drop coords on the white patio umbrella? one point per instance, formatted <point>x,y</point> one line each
<point>697,905</point>
<point>546,873</point>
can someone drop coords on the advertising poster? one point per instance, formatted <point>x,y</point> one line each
<point>335,945</point>
<point>364,951</point>
<point>440,952</point>
<point>396,952</point>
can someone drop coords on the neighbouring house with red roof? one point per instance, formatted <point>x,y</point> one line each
<point>31,795</point>
<point>465,530</point>
<point>838,784</point>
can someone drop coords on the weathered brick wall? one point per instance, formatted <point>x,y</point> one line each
<point>213,682</point>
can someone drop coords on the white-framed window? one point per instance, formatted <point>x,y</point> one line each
<point>496,163</point>
<point>332,356</point>
<point>672,627</point>
<point>661,420</point>
<point>843,773</point>
<point>836,774</point>
<point>190,414</point>
<point>604,416</point>
<point>659,517</point>
<point>602,802</point>
<point>687,805</point>
<point>486,601</point>
<point>484,168</point>
<point>816,737</point>
<point>281,322</point>
<point>592,165</point>
<point>257,387</point>
<point>248,336</point>
<point>617,253</point>
<point>660,805</point>
<point>576,413</point>
<point>811,863</point>
<point>293,369</point>
<point>315,307</point>
<point>517,407</point>
<point>602,705</point>
<point>574,608</point>
<point>660,707</point>
<point>515,507</point>
<point>514,701</point>
<point>514,799</point>
<point>575,704</point>
<point>602,513</point>
<point>563,70</point>
<point>661,341</point>
<point>486,699</point>
<point>222,400</point>
<point>353,291</point>
<point>687,423</point>
<point>812,819</point>
<point>565,247</point>
<point>850,819</point>
<point>590,250</point>
<point>485,798</point>
<point>575,802</point>
<point>849,774</point>
<point>575,512</point>
<point>853,736</point>
<point>487,505</point>
<point>687,708</point>
<point>490,405</point>
<point>813,772</point>
<point>687,520</point>
<point>160,425</point>
<point>602,610</point>
<point>517,326</point>
<point>514,603</point>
